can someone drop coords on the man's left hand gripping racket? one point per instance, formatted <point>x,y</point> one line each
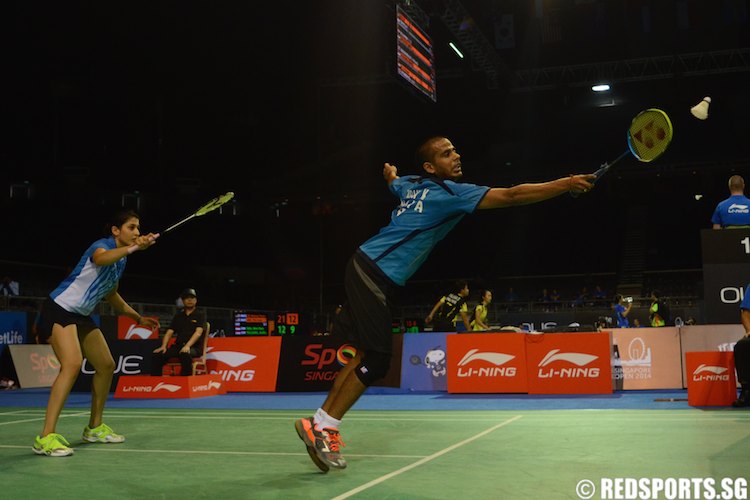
<point>649,136</point>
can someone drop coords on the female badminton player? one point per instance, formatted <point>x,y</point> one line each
<point>66,324</point>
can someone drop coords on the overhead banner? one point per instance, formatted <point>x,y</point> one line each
<point>649,358</point>
<point>245,364</point>
<point>569,363</point>
<point>487,363</point>
<point>424,362</point>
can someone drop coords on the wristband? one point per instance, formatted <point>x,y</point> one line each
<point>132,248</point>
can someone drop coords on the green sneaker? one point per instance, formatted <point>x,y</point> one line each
<point>52,445</point>
<point>101,434</point>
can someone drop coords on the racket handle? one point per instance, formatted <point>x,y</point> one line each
<point>602,170</point>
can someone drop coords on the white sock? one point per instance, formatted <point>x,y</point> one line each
<point>327,421</point>
<point>318,417</point>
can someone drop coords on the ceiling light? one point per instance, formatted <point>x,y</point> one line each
<point>455,49</point>
<point>602,87</point>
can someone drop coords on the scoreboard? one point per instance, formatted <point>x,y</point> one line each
<point>250,323</point>
<point>287,323</point>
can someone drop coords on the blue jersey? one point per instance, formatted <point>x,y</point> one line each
<point>88,284</point>
<point>745,304</point>
<point>622,321</point>
<point>428,210</point>
<point>734,211</point>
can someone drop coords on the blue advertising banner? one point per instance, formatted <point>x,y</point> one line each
<point>423,366</point>
<point>13,328</point>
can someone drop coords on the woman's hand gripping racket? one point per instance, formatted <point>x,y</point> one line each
<point>208,207</point>
<point>649,136</point>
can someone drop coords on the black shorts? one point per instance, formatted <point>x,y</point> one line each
<point>52,313</point>
<point>366,319</point>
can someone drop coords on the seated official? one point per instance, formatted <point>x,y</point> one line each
<point>187,327</point>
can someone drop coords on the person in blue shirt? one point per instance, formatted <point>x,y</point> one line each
<point>65,322</point>
<point>734,212</point>
<point>622,309</point>
<point>429,207</point>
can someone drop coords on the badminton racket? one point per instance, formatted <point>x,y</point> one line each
<point>208,207</point>
<point>649,135</point>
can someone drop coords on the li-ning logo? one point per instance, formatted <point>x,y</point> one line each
<point>736,208</point>
<point>715,373</point>
<point>496,358</point>
<point>207,387</point>
<point>577,358</point>
<point>148,388</point>
<point>139,332</point>
<point>167,387</point>
<point>233,359</point>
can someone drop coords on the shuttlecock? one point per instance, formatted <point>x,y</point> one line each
<point>700,110</point>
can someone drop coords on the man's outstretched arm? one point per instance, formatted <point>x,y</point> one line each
<point>525,194</point>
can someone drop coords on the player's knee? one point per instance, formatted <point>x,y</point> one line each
<point>374,367</point>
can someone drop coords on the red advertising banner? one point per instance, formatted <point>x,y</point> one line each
<point>710,378</point>
<point>245,364</point>
<point>147,387</point>
<point>569,363</point>
<point>486,363</point>
<point>127,329</point>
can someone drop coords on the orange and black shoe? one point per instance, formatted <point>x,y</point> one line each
<point>323,446</point>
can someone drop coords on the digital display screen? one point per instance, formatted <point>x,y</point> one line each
<point>250,323</point>
<point>415,61</point>
<point>287,323</point>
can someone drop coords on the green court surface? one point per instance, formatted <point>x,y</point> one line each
<point>227,454</point>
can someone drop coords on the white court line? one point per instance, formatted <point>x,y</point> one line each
<point>423,461</point>
<point>109,449</point>
<point>41,418</point>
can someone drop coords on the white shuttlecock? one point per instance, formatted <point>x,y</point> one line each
<point>700,110</point>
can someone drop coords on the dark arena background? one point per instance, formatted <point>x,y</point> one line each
<point>295,107</point>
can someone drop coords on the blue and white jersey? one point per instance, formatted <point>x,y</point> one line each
<point>88,284</point>
<point>428,210</point>
<point>734,211</point>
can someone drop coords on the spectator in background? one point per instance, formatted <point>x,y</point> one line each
<point>448,308</point>
<point>582,298</point>
<point>479,321</point>
<point>545,299</point>
<point>600,296</point>
<point>622,308</point>
<point>734,212</point>
<point>9,287</point>
<point>657,313</point>
<point>637,323</point>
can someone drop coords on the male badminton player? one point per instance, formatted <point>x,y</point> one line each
<point>429,208</point>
